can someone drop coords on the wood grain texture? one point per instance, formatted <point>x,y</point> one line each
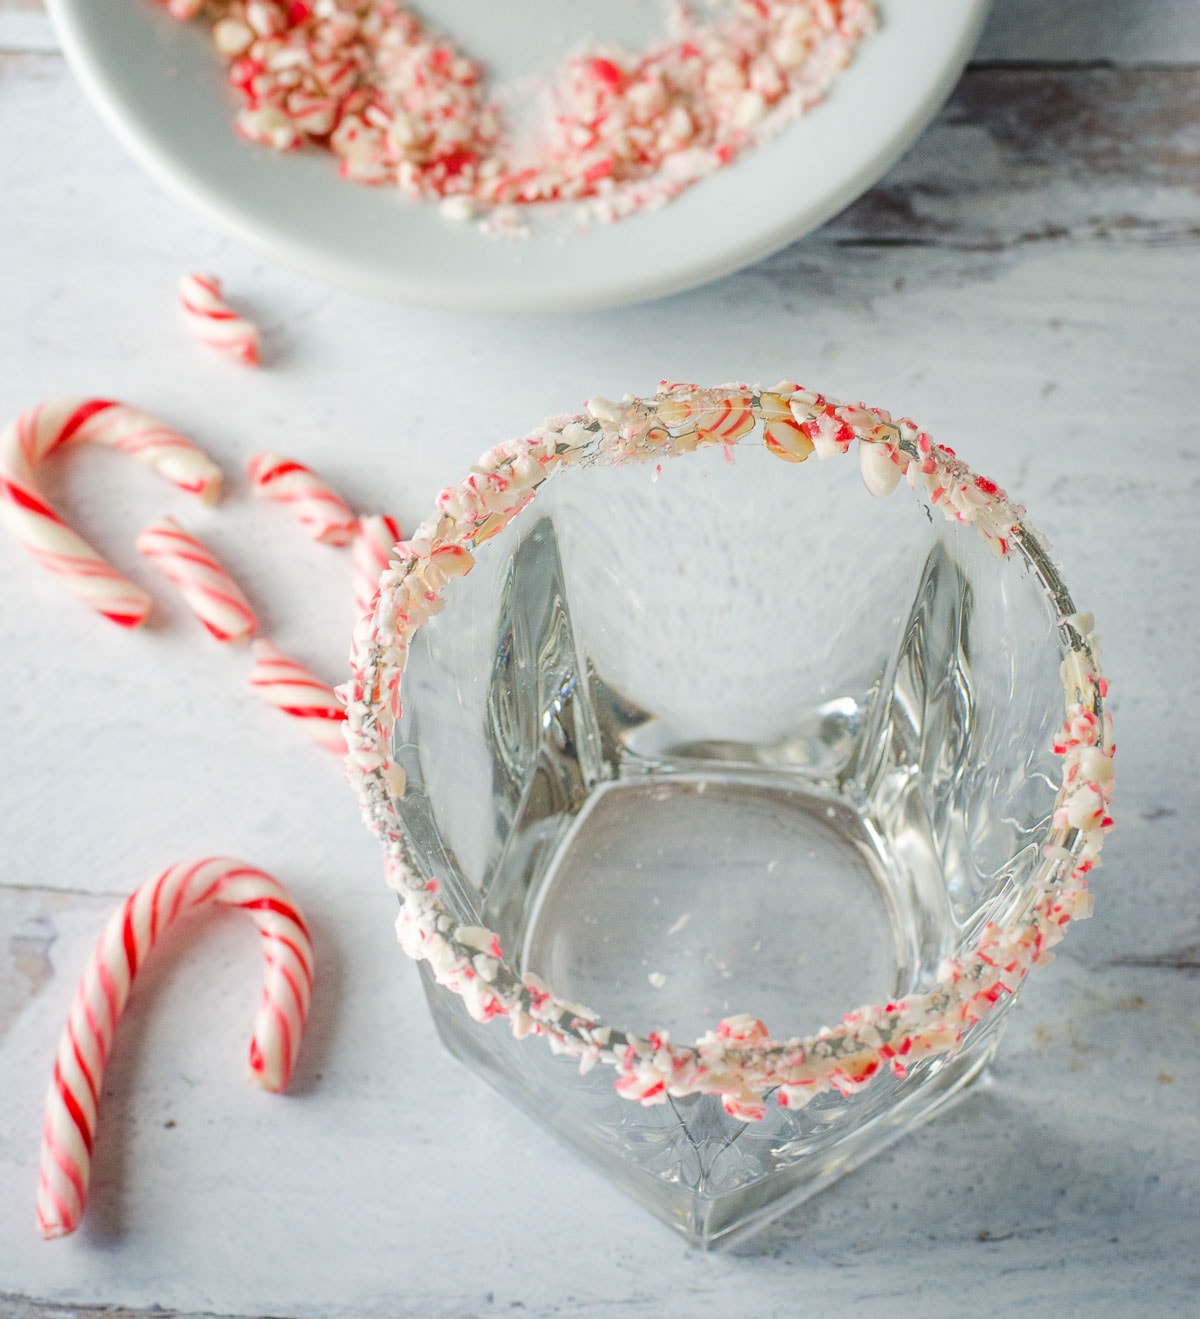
<point>21,1307</point>
<point>1027,156</point>
<point>1117,31</point>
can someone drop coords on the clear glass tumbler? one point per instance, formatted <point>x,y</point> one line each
<point>726,736</point>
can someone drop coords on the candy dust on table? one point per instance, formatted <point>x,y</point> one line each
<point>614,130</point>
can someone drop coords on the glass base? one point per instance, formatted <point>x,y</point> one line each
<point>674,901</point>
<point>682,1160</point>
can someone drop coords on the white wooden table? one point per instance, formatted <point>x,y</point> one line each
<point>1025,283</point>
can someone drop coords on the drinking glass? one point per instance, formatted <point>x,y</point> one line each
<point>723,735</point>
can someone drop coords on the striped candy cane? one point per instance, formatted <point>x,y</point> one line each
<point>214,322</point>
<point>374,540</point>
<point>84,1046</point>
<point>207,588</point>
<point>323,514</point>
<point>301,695</point>
<point>25,441</point>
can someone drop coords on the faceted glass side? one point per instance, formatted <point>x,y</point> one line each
<point>732,740</point>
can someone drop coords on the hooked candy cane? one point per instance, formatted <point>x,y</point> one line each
<point>214,321</point>
<point>207,588</point>
<point>322,513</point>
<point>301,695</point>
<point>86,1041</point>
<point>27,439</point>
<point>374,540</point>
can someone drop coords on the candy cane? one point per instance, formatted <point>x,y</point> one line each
<point>207,588</point>
<point>27,514</point>
<point>301,695</point>
<point>214,321</point>
<point>133,930</point>
<point>321,512</point>
<point>374,541</point>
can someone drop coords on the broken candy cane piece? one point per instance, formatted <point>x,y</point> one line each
<point>207,588</point>
<point>781,431</point>
<point>301,695</point>
<point>214,322</point>
<point>322,513</point>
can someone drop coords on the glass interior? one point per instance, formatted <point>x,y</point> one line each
<point>730,738</point>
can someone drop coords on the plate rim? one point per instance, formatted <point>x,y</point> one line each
<point>263,232</point>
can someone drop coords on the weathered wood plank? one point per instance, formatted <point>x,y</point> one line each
<point>1117,31</point>
<point>1021,156</point>
<point>1069,1177</point>
<point>988,287</point>
<point>27,924</point>
<point>23,1307</point>
<point>25,26</point>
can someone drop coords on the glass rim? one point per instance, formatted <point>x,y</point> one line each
<point>738,1060</point>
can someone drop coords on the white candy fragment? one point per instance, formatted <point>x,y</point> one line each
<point>604,410</point>
<point>879,473</point>
<point>459,209</point>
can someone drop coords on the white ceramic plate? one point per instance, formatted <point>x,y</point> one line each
<point>161,88</point>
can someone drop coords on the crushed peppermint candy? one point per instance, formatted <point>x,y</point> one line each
<point>738,1061</point>
<point>617,130</point>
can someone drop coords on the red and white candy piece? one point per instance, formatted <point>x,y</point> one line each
<point>214,321</point>
<point>25,441</point>
<point>71,1104</point>
<point>207,588</point>
<point>781,431</point>
<point>729,421</point>
<point>320,511</point>
<point>301,695</point>
<point>183,10</point>
<point>374,541</point>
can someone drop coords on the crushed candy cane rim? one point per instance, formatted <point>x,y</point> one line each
<point>737,1061</point>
